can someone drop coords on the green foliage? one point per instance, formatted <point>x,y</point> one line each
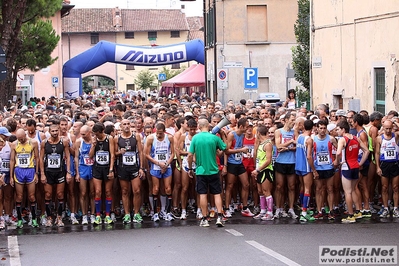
<point>145,79</point>
<point>170,73</point>
<point>302,95</point>
<point>38,42</point>
<point>300,53</point>
<point>106,82</point>
<point>87,88</point>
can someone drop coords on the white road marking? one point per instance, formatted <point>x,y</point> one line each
<point>273,254</point>
<point>234,232</point>
<point>13,250</point>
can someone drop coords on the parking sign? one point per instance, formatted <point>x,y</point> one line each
<point>251,78</point>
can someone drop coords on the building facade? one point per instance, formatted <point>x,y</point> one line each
<point>84,28</point>
<point>249,34</point>
<point>353,52</point>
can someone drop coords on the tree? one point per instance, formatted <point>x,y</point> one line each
<point>15,14</point>
<point>300,53</point>
<point>145,79</point>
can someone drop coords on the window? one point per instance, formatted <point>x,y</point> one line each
<point>94,36</point>
<point>379,87</point>
<point>257,23</point>
<point>176,66</point>
<point>210,31</point>
<point>129,67</point>
<point>129,35</point>
<point>175,34</point>
<point>152,34</point>
<point>130,87</point>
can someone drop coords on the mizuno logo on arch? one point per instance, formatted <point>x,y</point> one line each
<point>150,56</point>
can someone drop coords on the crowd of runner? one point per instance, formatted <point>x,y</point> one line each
<point>100,158</point>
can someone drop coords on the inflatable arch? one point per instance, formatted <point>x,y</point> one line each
<point>104,52</point>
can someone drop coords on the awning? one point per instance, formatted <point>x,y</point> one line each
<point>194,76</point>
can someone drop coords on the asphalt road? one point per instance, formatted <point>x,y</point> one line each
<point>243,241</point>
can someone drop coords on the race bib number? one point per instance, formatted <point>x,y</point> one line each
<point>102,157</point>
<point>161,156</point>
<point>238,156</point>
<point>390,154</point>
<point>250,152</point>
<point>53,161</point>
<point>23,160</point>
<point>129,158</point>
<point>5,165</point>
<point>88,161</point>
<point>323,158</point>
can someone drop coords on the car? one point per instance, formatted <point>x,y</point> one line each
<point>269,97</point>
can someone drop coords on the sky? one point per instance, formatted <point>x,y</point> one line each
<point>192,8</point>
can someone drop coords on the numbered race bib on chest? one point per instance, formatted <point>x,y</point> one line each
<point>23,160</point>
<point>323,158</point>
<point>250,153</point>
<point>102,157</point>
<point>238,156</point>
<point>5,165</point>
<point>161,156</point>
<point>87,160</point>
<point>129,158</point>
<point>390,154</point>
<point>54,161</point>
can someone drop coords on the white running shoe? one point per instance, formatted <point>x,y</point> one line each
<point>292,214</point>
<point>74,220</point>
<point>84,220</point>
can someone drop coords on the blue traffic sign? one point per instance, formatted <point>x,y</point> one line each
<point>251,78</point>
<point>55,81</point>
<point>161,76</point>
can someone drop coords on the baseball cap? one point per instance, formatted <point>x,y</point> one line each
<point>4,131</point>
<point>313,117</point>
<point>331,127</point>
<point>340,112</point>
<point>188,114</point>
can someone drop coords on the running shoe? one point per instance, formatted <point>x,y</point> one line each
<point>199,215</point>
<point>259,216</point>
<point>256,210</point>
<point>97,221</point>
<point>126,219</point>
<point>108,220</point>
<point>306,218</point>
<point>2,223</point>
<point>358,215</point>
<point>336,212</point>
<point>283,214</point>
<point>59,222</point>
<point>34,223</point>
<point>183,216</point>
<point>74,220</point>
<point>113,217</point>
<point>310,212</point>
<point>395,213</point>
<point>231,209</point>
<point>137,218</point>
<point>92,219</point>
<point>227,214</point>
<point>43,220</point>
<point>169,217</point>
<point>384,214</point>
<point>381,210</point>
<point>175,213</point>
<point>331,216</point>
<point>372,209</point>
<point>268,217</point>
<point>318,215</point>
<point>349,220</point>
<point>292,214</point>
<point>277,214</point>
<point>247,213</point>
<point>84,220</point>
<point>366,213</point>
<point>49,222</point>
<point>162,215</point>
<point>212,213</point>
<point>204,223</point>
<point>20,224</point>
<point>219,222</point>
<point>155,217</point>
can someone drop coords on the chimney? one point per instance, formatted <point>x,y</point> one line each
<point>117,18</point>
